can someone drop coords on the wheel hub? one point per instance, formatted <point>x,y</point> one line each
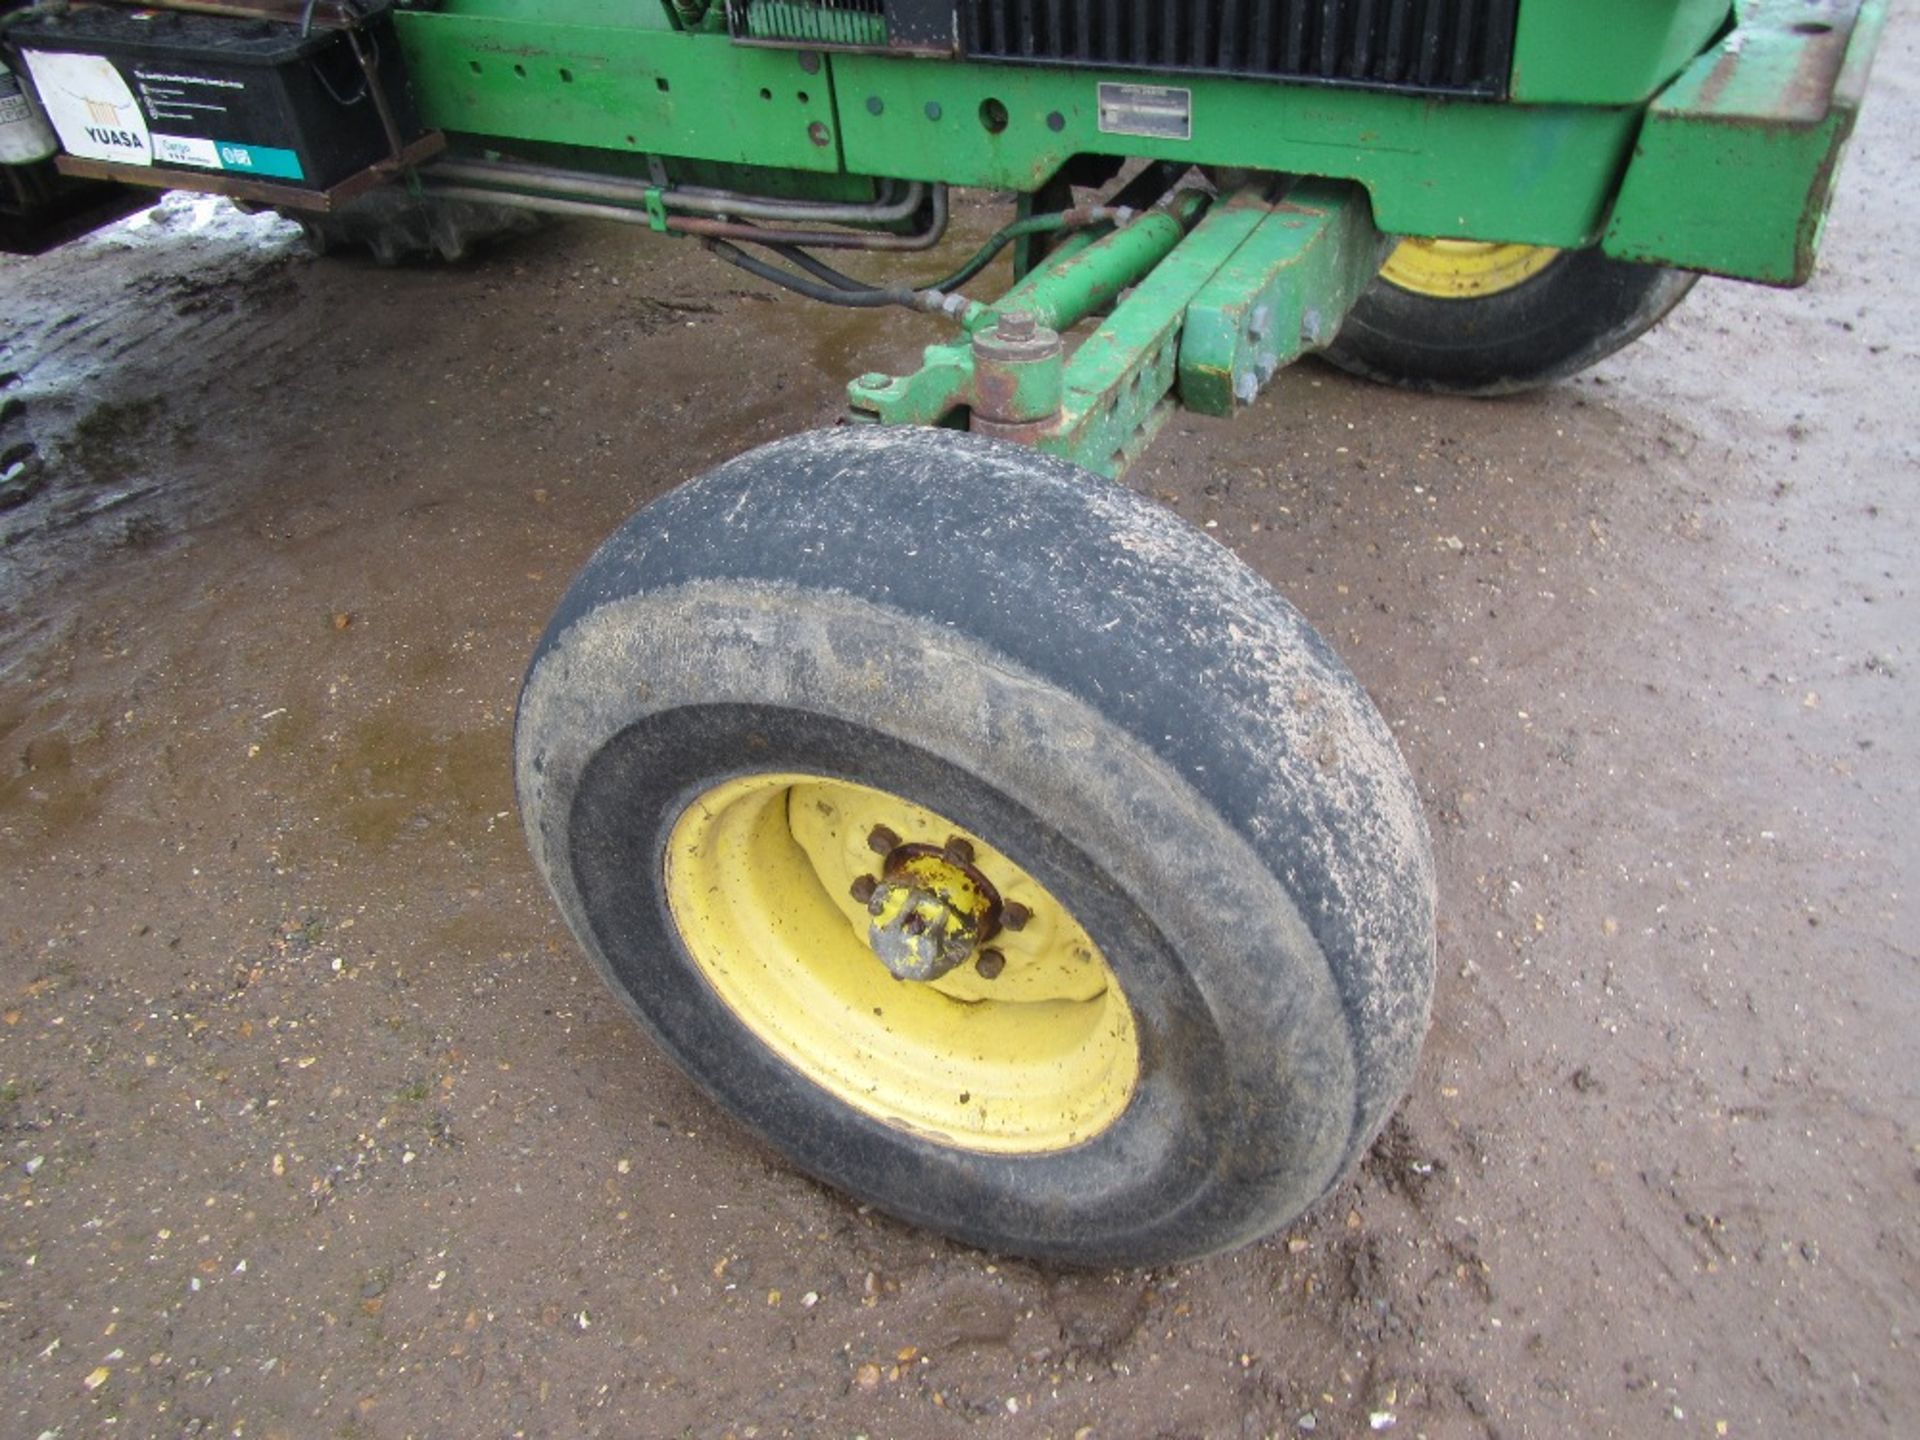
<point>932,909</point>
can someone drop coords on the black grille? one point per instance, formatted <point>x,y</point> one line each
<point>1455,46</point>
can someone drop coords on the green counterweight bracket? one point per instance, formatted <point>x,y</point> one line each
<point>1215,302</point>
<point>1284,293</point>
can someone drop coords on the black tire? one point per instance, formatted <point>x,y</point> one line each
<point>395,226</point>
<point>1574,313</point>
<point>1109,697</point>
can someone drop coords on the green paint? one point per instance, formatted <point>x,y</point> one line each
<point>1538,174</point>
<point>1086,272</point>
<point>1284,292</point>
<point>1736,165</point>
<point>1119,380</point>
<point>631,89</point>
<point>1189,319</point>
<point>1607,52</point>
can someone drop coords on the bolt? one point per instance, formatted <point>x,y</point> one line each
<point>863,889</point>
<point>1014,915</point>
<point>883,841</point>
<point>1257,323</point>
<point>959,852</point>
<point>990,964</point>
<point>1016,325</point>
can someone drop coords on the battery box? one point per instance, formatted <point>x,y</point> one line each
<point>267,101</point>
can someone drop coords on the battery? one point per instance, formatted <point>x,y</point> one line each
<point>245,97</point>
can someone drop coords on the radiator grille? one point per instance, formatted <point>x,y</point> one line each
<point>1456,46</point>
<point>832,24</point>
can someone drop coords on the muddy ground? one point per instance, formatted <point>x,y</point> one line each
<point>315,1123</point>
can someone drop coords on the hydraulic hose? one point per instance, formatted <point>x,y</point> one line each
<point>827,293</point>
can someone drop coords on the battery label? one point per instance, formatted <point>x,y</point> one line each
<point>1162,112</point>
<point>91,107</point>
<point>192,101</point>
<point>225,155</point>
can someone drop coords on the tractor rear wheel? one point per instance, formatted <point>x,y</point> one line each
<point>1462,317</point>
<point>1001,849</point>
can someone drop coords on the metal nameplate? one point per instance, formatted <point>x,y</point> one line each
<point>1163,112</point>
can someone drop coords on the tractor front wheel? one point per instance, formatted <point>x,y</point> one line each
<point>998,847</point>
<point>1465,318</point>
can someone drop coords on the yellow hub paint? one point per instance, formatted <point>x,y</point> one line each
<point>760,877</point>
<point>1463,269</point>
<point>928,915</point>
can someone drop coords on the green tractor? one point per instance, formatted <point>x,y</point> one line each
<point>1000,848</point>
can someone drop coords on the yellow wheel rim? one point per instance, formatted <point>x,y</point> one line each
<point>1463,269</point>
<point>761,875</point>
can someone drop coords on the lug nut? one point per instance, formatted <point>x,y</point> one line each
<point>1014,915</point>
<point>864,887</point>
<point>883,841</point>
<point>990,964</point>
<point>959,851</point>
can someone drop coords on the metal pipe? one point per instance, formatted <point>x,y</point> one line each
<point>547,179</point>
<point>897,204</point>
<point>822,239</point>
<point>542,204</point>
<point>711,229</point>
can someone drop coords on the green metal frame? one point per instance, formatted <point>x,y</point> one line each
<point>1736,163</point>
<point>627,90</point>
<point>1595,145</point>
<point>1538,174</point>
